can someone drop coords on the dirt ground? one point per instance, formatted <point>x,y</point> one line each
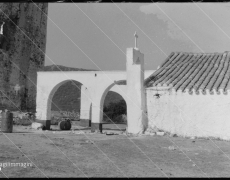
<point>80,153</point>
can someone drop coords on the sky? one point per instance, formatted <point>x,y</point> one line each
<point>96,35</point>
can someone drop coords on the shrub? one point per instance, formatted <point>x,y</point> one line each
<point>24,121</point>
<point>115,111</point>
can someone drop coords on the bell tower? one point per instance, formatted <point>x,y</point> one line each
<point>136,117</point>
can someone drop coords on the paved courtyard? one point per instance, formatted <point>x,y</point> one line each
<point>80,153</point>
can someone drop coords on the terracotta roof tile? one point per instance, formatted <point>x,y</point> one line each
<point>177,70</point>
<point>193,71</point>
<point>224,84</point>
<point>211,71</point>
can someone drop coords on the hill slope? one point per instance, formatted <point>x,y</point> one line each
<point>63,68</point>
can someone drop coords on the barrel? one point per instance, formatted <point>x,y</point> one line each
<point>7,122</point>
<point>64,125</point>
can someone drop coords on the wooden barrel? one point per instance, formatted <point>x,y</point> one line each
<point>68,124</point>
<point>7,122</point>
<point>64,125</point>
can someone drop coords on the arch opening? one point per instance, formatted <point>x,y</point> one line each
<point>114,108</point>
<point>113,103</point>
<point>64,101</point>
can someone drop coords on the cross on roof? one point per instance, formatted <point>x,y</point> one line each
<point>136,36</point>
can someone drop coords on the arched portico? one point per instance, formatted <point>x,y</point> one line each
<point>98,84</point>
<point>93,87</point>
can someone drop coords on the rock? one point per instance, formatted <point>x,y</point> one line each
<point>160,133</point>
<point>172,148</point>
<point>173,135</point>
<point>152,134</point>
<point>97,132</point>
<point>147,133</point>
<point>152,130</point>
<point>109,133</point>
<point>79,132</point>
<point>193,137</point>
<point>225,138</point>
<point>36,125</point>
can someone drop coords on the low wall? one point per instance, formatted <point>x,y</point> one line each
<point>199,115</point>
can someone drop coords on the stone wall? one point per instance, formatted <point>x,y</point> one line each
<point>200,115</point>
<point>22,49</point>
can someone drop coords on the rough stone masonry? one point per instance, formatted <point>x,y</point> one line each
<point>22,48</point>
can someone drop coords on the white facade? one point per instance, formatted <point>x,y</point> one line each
<point>185,114</point>
<point>189,115</point>
<point>95,86</point>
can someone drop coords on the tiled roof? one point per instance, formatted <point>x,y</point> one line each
<point>187,71</point>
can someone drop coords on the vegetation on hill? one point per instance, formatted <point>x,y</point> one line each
<point>63,68</point>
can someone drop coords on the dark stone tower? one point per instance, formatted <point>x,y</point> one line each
<point>23,28</point>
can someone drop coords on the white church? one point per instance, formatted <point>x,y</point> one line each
<point>188,95</point>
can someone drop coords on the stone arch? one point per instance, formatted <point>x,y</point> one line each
<point>106,90</point>
<point>118,89</point>
<point>53,91</point>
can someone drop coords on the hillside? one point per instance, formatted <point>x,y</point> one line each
<point>63,68</point>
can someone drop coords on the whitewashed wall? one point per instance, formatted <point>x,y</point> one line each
<point>190,114</point>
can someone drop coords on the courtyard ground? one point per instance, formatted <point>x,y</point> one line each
<point>80,153</point>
